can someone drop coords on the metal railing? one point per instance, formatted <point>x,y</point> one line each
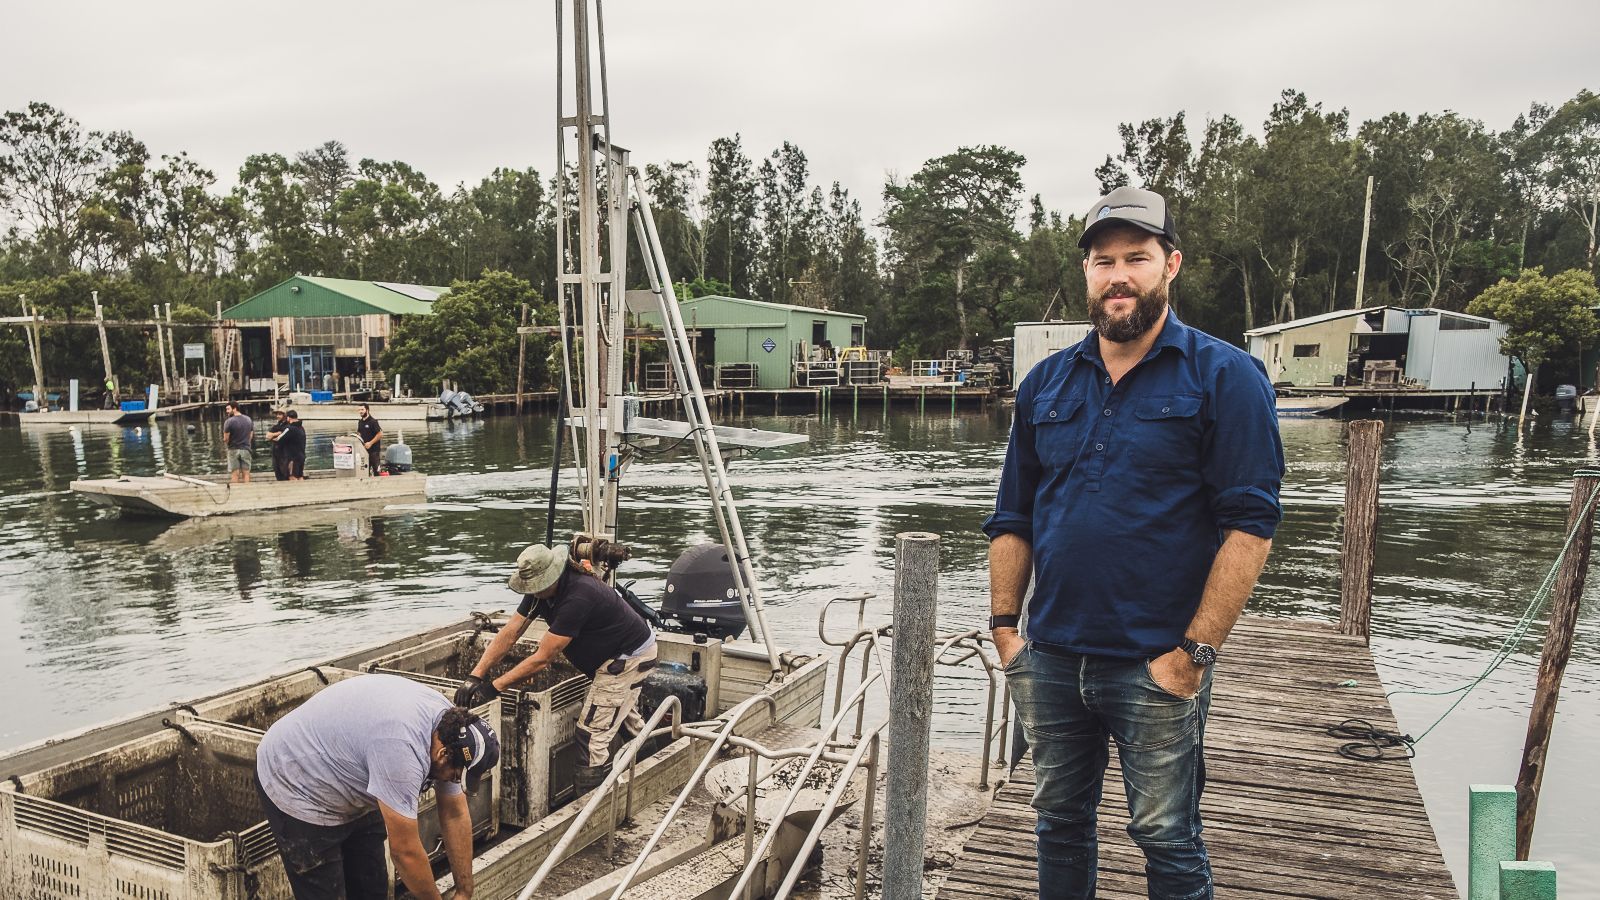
<point>738,376</point>
<point>861,750</point>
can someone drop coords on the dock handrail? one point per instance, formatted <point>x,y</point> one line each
<point>631,751</point>
<point>689,786</point>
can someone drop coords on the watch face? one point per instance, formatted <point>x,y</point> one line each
<point>1203,654</point>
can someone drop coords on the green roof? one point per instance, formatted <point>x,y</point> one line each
<point>767,304</point>
<point>305,295</point>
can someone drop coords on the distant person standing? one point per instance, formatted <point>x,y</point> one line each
<point>280,468</point>
<point>240,432</point>
<point>293,443</point>
<point>371,434</point>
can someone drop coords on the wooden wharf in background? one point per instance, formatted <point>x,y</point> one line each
<point>1285,815</point>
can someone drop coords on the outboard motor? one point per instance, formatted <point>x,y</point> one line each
<point>397,459</point>
<point>700,594</point>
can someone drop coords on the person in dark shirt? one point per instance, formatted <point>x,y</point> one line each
<point>240,433</point>
<point>293,444</point>
<point>595,629</point>
<point>280,468</point>
<point>1140,493</point>
<point>371,434</point>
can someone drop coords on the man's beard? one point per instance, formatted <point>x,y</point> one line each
<point>1147,310</point>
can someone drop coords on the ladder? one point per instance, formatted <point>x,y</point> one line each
<point>610,196</point>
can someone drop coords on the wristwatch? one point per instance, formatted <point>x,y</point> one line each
<point>1003,622</point>
<point>1202,654</point>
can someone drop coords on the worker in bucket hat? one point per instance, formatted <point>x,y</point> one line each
<point>599,634</point>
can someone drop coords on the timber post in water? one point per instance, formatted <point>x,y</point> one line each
<point>916,587</point>
<point>522,354</point>
<point>1360,527</point>
<point>1557,650</point>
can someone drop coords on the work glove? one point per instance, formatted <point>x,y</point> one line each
<point>475,692</point>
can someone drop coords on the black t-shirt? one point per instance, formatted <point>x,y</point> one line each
<point>293,442</point>
<point>600,623</point>
<point>368,429</point>
<point>277,445</point>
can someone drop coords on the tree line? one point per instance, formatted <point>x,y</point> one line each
<point>1270,219</point>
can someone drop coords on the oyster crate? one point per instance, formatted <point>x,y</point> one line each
<point>257,707</point>
<point>538,722</point>
<point>171,816</point>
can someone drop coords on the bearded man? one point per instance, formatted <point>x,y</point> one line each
<point>1140,495</point>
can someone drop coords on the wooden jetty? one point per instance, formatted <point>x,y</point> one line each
<point>1285,814</point>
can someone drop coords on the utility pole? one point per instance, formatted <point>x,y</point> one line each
<point>105,348</point>
<point>34,352</point>
<point>161,349</point>
<point>1366,230</point>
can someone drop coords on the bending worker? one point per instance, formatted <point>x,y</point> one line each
<point>345,770</point>
<point>598,633</point>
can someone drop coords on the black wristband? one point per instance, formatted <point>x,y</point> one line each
<point>1003,622</point>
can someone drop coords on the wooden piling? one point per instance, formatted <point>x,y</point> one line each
<point>1564,603</point>
<point>1362,469</point>
<point>916,586</point>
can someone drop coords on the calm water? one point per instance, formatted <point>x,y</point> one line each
<point>101,617</point>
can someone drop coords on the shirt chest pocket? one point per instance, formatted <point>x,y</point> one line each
<point>1059,425</point>
<point>1166,432</point>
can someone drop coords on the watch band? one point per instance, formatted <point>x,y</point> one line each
<point>1003,622</point>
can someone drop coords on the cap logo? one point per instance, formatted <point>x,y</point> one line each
<point>1104,211</point>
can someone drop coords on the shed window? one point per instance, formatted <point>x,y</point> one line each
<point>1455,323</point>
<point>1301,351</point>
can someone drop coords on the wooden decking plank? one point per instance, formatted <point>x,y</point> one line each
<point>1286,816</point>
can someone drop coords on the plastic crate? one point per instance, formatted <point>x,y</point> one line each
<point>538,723</point>
<point>322,396</point>
<point>171,816</point>
<point>258,707</point>
<point>133,406</point>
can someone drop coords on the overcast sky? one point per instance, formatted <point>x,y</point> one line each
<point>864,88</point>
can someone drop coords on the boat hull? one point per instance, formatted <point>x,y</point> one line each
<point>185,497</point>
<point>385,413</point>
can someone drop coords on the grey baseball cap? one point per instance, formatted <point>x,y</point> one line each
<point>1129,206</point>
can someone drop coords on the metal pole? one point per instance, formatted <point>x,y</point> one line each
<point>916,583</point>
<point>1564,603</point>
<point>1366,229</point>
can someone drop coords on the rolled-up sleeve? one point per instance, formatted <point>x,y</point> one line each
<point>1243,466</point>
<point>1019,478</point>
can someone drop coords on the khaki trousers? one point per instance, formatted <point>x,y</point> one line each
<point>612,702</point>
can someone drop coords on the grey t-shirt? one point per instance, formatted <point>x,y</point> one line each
<point>357,742</point>
<point>240,430</point>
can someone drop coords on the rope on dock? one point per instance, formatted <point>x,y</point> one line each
<point>1371,742</point>
<point>1518,632</point>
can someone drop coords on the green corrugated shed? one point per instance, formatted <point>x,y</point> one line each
<point>304,296</point>
<point>740,330</point>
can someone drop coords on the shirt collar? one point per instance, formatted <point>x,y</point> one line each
<point>1173,334</point>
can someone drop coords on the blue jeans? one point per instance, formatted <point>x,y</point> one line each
<point>1070,706</point>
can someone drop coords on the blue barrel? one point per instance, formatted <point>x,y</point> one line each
<point>322,396</point>
<point>133,406</point>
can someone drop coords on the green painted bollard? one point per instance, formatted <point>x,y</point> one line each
<point>1527,881</point>
<point>1491,837</point>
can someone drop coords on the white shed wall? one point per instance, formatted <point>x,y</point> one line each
<point>1036,340</point>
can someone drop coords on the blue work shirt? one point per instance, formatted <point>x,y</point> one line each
<point>1124,491</point>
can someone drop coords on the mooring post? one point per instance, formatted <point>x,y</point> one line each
<point>1362,469</point>
<point>916,584</point>
<point>1527,880</point>
<point>1564,603</point>
<point>1491,837</point>
<point>35,352</point>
